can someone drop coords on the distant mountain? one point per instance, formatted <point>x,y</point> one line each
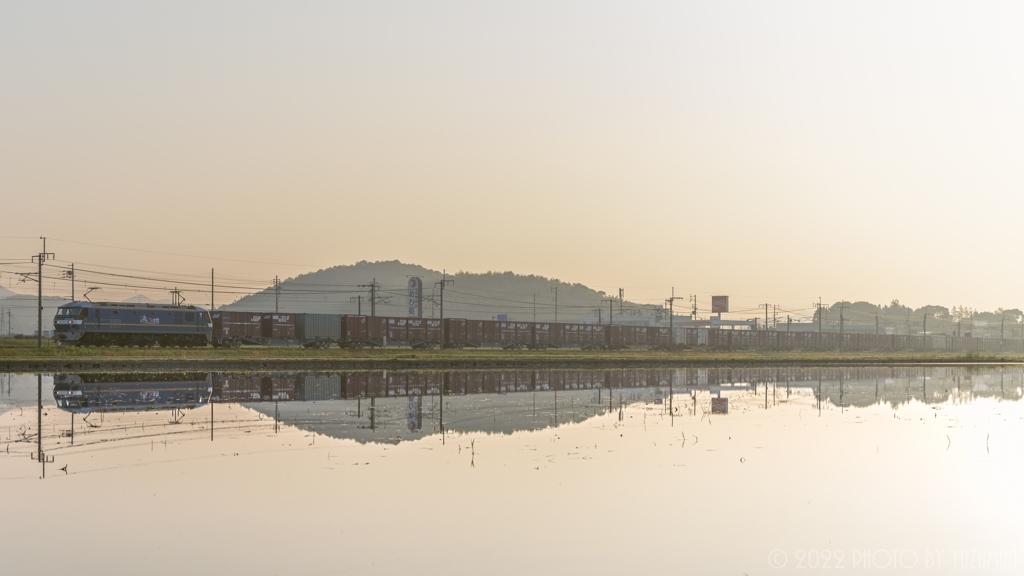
<point>5,293</point>
<point>143,299</point>
<point>475,296</point>
<point>23,315</point>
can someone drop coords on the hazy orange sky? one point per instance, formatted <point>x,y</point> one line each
<point>773,151</point>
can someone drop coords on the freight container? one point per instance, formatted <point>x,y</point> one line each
<point>318,327</point>
<point>416,329</point>
<point>278,326</point>
<point>541,333</point>
<point>353,327</point>
<point>508,332</point>
<point>455,329</point>
<point>598,335</point>
<point>474,330</point>
<point>571,333</point>
<point>524,333</point>
<point>376,327</point>
<point>433,330</point>
<point>396,329</point>
<point>615,336</point>
<point>557,334</point>
<point>236,324</point>
<point>491,331</point>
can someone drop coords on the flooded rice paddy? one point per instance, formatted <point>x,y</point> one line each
<point>752,471</point>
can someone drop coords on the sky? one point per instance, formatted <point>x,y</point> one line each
<point>772,151</point>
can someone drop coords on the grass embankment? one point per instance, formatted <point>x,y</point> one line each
<point>12,349</point>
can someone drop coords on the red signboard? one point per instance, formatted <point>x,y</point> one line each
<point>719,304</point>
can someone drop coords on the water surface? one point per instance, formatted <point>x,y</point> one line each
<point>907,470</point>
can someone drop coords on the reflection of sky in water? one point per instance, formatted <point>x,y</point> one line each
<point>527,482</point>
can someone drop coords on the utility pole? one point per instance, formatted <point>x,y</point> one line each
<point>819,314</point>
<point>622,293</point>
<point>444,282</point>
<point>70,275</point>
<point>924,330</point>
<point>40,258</point>
<point>373,286</point>
<point>789,323</point>
<point>211,289</point>
<point>534,308</point>
<point>359,303</point>
<point>842,321</point>
<point>611,312</point>
<point>277,294</point>
<point>555,288</point>
<point>1002,327</point>
<point>766,315</point>
<point>775,320</point>
<point>693,300</point>
<point>671,316</point>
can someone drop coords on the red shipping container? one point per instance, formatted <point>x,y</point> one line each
<point>508,331</point>
<point>491,331</point>
<point>614,335</point>
<point>396,329</point>
<point>524,333</point>
<point>542,332</point>
<point>236,324</point>
<point>455,330</point>
<point>571,333</point>
<point>557,333</point>
<point>416,329</point>
<point>376,327</point>
<point>278,326</point>
<point>641,335</point>
<point>433,330</point>
<point>474,330</point>
<point>353,327</point>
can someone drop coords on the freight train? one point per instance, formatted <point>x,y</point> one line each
<point>233,329</point>
<point>121,324</point>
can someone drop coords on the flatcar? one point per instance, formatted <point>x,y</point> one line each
<point>127,324</point>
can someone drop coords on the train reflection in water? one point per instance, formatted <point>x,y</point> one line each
<point>124,392</point>
<point>391,406</point>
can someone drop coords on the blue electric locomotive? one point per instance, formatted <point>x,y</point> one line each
<point>123,324</point>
